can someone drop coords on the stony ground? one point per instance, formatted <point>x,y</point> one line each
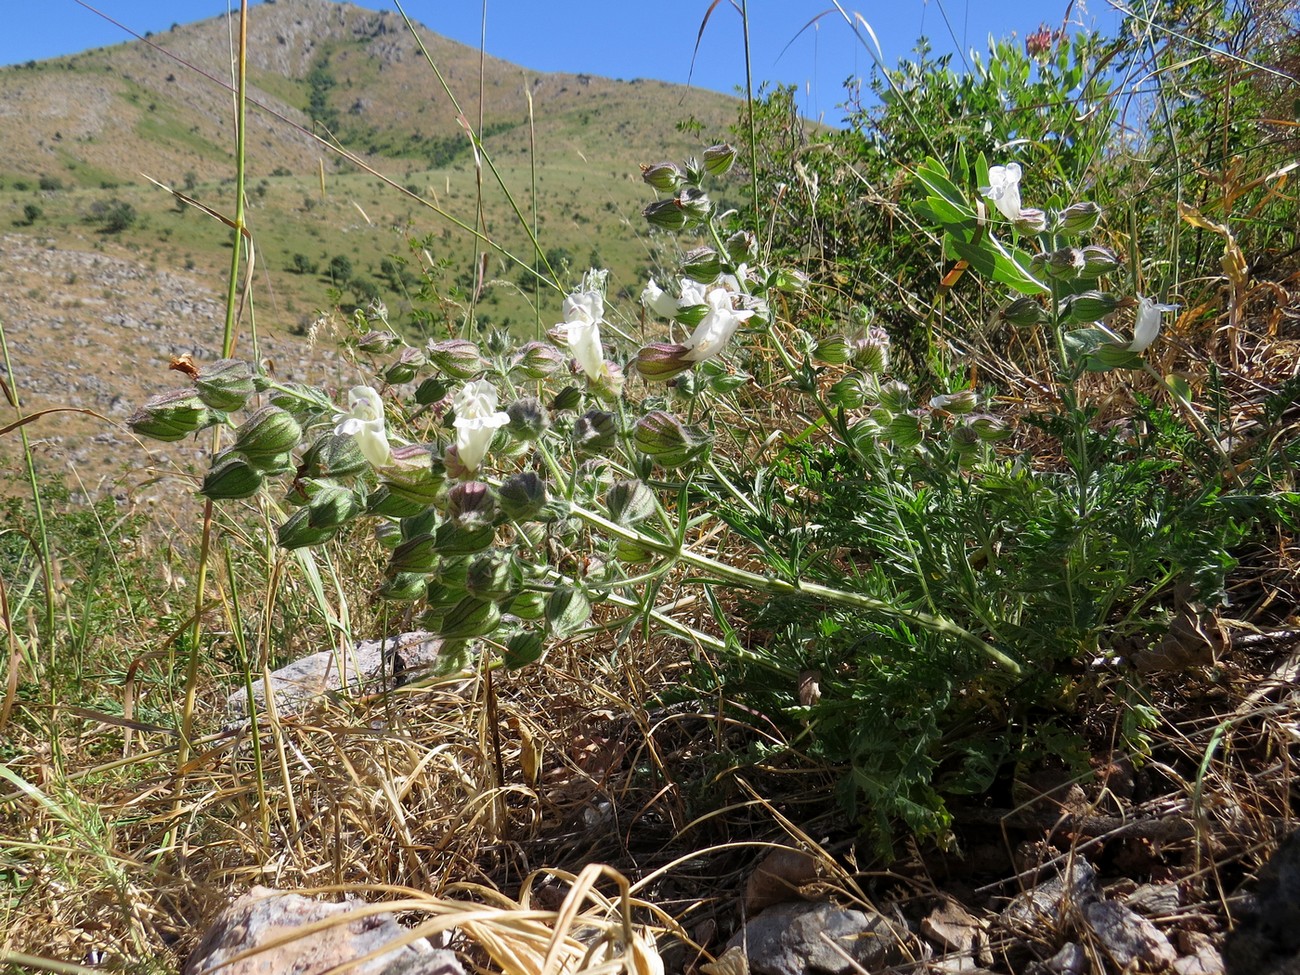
<point>93,330</point>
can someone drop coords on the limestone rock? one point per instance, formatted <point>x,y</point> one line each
<point>796,938</point>
<point>259,921</point>
<point>1128,937</point>
<point>369,667</point>
<point>1074,886</point>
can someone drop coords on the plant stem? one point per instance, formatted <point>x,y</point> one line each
<point>743,578</point>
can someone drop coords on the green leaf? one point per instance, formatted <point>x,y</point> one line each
<point>935,178</point>
<point>995,261</point>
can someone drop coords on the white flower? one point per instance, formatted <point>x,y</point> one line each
<point>580,330</point>
<point>1147,325</point>
<point>692,294</point>
<point>716,328</point>
<point>365,421</point>
<point>477,421</point>
<point>1004,189</point>
<point>658,300</point>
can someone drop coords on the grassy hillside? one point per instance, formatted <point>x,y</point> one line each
<point>83,133</point>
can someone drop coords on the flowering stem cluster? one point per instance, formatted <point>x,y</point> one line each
<point>527,486</point>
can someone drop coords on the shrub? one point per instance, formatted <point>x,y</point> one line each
<point>113,216</point>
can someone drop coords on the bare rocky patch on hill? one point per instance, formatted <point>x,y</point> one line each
<point>94,332</point>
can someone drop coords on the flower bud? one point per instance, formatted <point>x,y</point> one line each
<point>298,532</point>
<point>404,369</point>
<point>666,214</point>
<point>333,455</point>
<point>834,350</point>
<point>1024,312</point>
<point>871,352</point>
<point>418,554</point>
<point>701,264</point>
<point>896,397</point>
<point>848,393</point>
<point>594,432</point>
<point>524,648</point>
<point>1031,221</point>
<point>697,206</point>
<point>469,618</point>
<point>1088,306</point>
<point>567,609</point>
<point>1078,218</point>
<point>463,537</point>
<point>489,576</point>
<point>385,502</point>
<point>1068,262</point>
<point>630,553</point>
<point>231,477</point>
<point>742,247</point>
<point>569,398</point>
<point>457,358</point>
<point>904,429</point>
<point>790,280</point>
<point>225,384</point>
<point>522,496</point>
<point>608,385</point>
<point>988,428</point>
<point>268,433</point>
<point>660,361</point>
<point>666,439</point>
<point>528,605</point>
<point>966,444</point>
<point>431,390</point>
<point>629,502</point>
<point>403,587</point>
<point>719,159</point>
<point>528,419</point>
<point>962,401</point>
<point>329,505</point>
<point>1098,261</point>
<point>419,484</point>
<point>666,177</point>
<point>471,501</point>
<point>537,360</point>
<point>173,416</point>
<point>376,342</point>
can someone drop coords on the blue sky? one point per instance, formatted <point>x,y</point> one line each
<point>621,38</point>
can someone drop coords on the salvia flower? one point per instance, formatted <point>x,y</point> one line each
<point>1004,189</point>
<point>716,328</point>
<point>658,301</point>
<point>580,330</point>
<point>1147,325</point>
<point>364,420</point>
<point>477,421</point>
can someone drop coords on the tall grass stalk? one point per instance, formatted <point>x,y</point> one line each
<point>42,535</point>
<point>227,348</point>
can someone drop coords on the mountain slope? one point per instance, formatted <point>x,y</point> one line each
<point>111,113</point>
